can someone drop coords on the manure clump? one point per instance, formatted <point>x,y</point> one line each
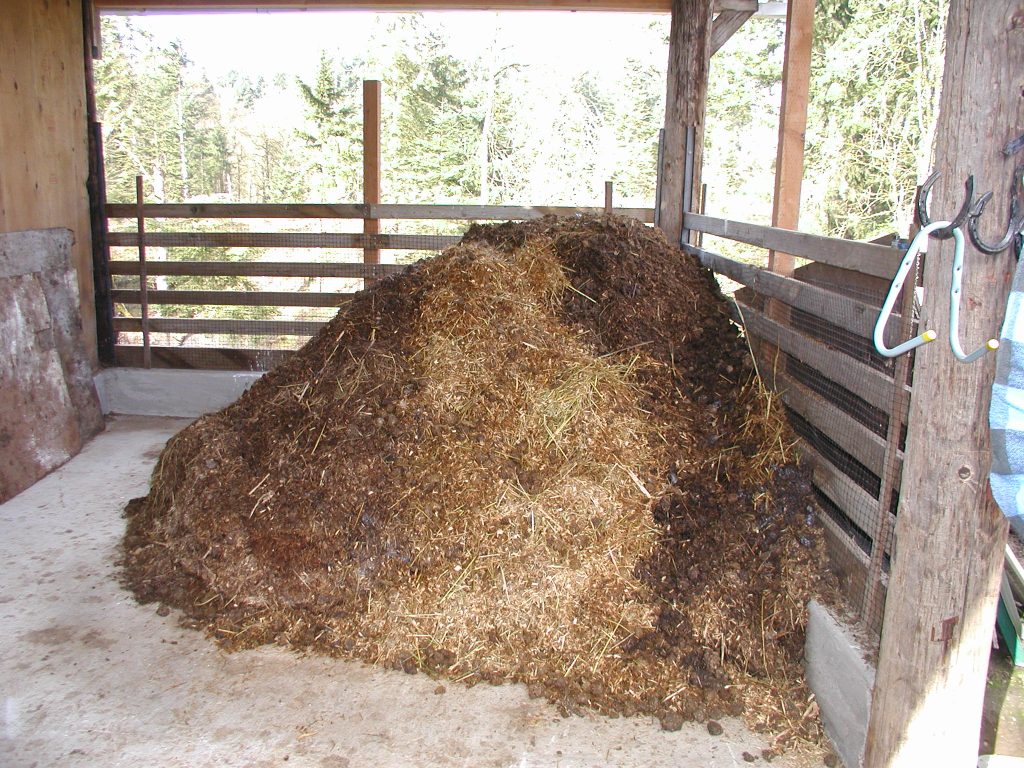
<point>542,456</point>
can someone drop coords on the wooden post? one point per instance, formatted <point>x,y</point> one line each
<point>97,190</point>
<point>789,161</point>
<point>609,195</point>
<point>371,163</point>
<point>689,51</point>
<point>140,216</point>
<point>940,610</point>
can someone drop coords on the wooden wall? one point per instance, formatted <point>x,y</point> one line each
<point>43,131</point>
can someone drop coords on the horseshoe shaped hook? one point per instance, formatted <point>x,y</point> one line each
<point>957,221</point>
<point>1013,228</point>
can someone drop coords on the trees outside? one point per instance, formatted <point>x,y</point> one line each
<point>874,104</point>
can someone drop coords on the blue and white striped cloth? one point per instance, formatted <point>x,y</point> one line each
<point>1006,414</point>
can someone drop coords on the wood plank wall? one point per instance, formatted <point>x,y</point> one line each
<point>43,131</point>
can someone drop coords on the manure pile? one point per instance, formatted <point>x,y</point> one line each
<point>541,456</point>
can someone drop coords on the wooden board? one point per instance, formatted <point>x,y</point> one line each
<point>635,6</point>
<point>850,435</point>
<point>360,211</point>
<point>876,260</point>
<point>865,382</point>
<point>235,298</point>
<point>727,24</point>
<point>216,326</point>
<point>283,240</point>
<point>44,133</point>
<point>838,309</point>
<point>257,269</point>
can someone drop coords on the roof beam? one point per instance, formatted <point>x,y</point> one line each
<point>772,9</point>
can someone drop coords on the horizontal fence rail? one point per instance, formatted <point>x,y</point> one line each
<point>232,310</point>
<point>408,212</point>
<point>812,337</point>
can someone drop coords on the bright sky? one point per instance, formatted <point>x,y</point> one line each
<point>267,43</point>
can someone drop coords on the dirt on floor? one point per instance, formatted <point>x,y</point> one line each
<point>542,456</point>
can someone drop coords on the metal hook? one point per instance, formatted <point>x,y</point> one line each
<point>918,245</point>
<point>1013,228</point>
<point>954,306</point>
<point>958,221</point>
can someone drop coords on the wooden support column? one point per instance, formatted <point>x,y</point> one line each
<point>940,610</point>
<point>371,162</point>
<point>96,188</point>
<point>789,160</point>
<point>689,51</point>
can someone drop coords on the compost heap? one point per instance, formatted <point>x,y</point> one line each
<point>540,457</point>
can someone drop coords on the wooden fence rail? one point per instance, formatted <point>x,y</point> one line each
<point>153,293</point>
<point>829,378</point>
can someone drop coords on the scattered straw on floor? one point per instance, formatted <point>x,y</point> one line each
<point>541,456</point>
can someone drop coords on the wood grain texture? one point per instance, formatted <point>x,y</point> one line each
<point>727,24</point>
<point>359,211</point>
<point>257,269</point>
<point>870,385</point>
<point>689,52</point>
<point>371,162</point>
<point>44,132</point>
<point>638,6</point>
<point>789,159</point>
<point>875,260</point>
<point>941,604</point>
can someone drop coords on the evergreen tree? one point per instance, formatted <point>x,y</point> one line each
<point>334,135</point>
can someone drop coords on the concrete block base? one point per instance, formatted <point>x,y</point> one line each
<point>841,680</point>
<point>163,392</point>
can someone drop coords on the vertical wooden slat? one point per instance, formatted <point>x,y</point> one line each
<point>941,607</point>
<point>609,193</point>
<point>143,282</point>
<point>873,604</point>
<point>371,162</point>
<point>789,162</point>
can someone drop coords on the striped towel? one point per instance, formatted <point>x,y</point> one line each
<point>1006,414</point>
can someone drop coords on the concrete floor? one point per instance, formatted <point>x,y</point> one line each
<point>88,677</point>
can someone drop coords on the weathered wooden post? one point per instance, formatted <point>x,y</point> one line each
<point>689,50</point>
<point>371,164</point>
<point>941,603</point>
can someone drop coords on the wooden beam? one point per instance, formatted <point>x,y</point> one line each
<point>845,431</point>
<point>727,24</point>
<point>371,163</point>
<point>789,160</point>
<point>359,211</point>
<point>862,380</point>
<point>834,307</point>
<point>689,51</point>
<point>258,269</point>
<point>874,260</point>
<point>771,9</point>
<point>284,240</point>
<point>235,298</point>
<point>941,604</point>
<point>216,326</point>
